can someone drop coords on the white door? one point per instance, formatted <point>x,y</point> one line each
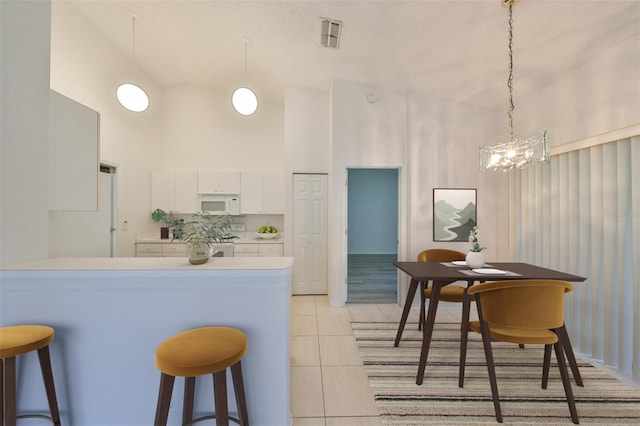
<point>87,234</point>
<point>310,234</point>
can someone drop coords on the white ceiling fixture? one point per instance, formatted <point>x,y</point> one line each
<point>519,151</point>
<point>130,95</point>
<point>244,101</point>
<point>330,33</point>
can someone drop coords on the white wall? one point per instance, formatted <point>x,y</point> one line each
<point>24,124</point>
<point>601,95</point>
<point>306,143</point>
<point>443,153</point>
<point>363,134</point>
<point>203,131</point>
<point>86,67</point>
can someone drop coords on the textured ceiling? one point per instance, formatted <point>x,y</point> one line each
<point>452,49</point>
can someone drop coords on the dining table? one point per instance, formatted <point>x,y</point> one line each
<point>441,274</point>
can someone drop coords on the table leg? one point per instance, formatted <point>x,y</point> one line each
<point>405,312</point>
<point>422,299</point>
<point>427,328</point>
<point>464,334</point>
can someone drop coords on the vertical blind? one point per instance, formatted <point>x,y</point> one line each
<point>581,214</point>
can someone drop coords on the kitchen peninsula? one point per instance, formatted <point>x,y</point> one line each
<point>109,315</point>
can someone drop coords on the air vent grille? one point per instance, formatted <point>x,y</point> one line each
<point>330,35</point>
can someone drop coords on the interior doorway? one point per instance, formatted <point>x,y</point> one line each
<point>372,235</point>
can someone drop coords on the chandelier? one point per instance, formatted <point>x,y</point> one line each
<point>515,151</point>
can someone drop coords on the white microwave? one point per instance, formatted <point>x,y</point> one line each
<point>219,204</point>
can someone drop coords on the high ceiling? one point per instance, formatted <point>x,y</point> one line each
<point>454,49</point>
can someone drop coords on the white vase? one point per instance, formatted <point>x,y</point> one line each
<point>475,259</point>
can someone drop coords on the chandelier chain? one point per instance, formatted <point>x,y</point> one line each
<point>510,80</point>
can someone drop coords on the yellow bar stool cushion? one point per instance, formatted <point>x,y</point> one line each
<point>20,339</point>
<point>201,351</point>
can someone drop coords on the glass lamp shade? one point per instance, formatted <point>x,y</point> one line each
<point>244,101</point>
<point>518,152</point>
<point>132,97</point>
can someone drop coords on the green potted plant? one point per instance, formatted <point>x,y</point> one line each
<point>175,224</point>
<point>203,231</point>
<point>159,215</point>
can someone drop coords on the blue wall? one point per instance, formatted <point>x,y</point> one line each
<point>373,211</point>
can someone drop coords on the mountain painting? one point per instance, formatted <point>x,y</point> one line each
<point>454,214</point>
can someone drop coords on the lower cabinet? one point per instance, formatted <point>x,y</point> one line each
<point>161,249</point>
<point>256,250</point>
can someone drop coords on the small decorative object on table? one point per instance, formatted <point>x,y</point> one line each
<point>203,231</point>
<point>475,257</point>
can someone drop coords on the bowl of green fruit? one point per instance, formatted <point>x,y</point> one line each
<point>267,232</point>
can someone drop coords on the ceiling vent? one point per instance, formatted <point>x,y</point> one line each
<point>330,35</point>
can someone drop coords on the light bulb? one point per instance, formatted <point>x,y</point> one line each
<point>244,101</point>
<point>132,97</point>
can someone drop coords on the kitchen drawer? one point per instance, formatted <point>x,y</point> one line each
<point>240,248</point>
<point>174,250</point>
<point>148,249</point>
<point>270,249</point>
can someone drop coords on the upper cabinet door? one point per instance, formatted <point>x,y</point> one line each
<point>262,193</point>
<point>273,193</point>
<point>185,193</point>
<point>218,182</point>
<point>251,193</point>
<point>74,135</point>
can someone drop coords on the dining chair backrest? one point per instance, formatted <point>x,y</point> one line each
<point>440,255</point>
<point>525,304</point>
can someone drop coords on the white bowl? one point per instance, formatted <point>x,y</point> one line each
<point>267,236</point>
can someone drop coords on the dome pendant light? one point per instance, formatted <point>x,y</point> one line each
<point>244,101</point>
<point>130,95</point>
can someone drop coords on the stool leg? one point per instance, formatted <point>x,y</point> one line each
<point>164,399</point>
<point>220,391</point>
<point>238,387</point>
<point>9,392</point>
<point>189,392</point>
<point>2,391</point>
<point>47,376</point>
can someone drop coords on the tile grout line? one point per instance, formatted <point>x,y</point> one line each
<point>324,404</point>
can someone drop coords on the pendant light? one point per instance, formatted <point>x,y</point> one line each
<point>244,101</point>
<point>130,95</point>
<point>505,153</point>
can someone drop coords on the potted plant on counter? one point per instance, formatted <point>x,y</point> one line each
<point>159,215</point>
<point>203,231</point>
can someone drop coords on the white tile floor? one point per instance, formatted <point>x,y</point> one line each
<point>329,386</point>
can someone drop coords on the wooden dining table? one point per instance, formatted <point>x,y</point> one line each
<point>445,273</point>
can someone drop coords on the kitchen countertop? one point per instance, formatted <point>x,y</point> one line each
<point>151,263</point>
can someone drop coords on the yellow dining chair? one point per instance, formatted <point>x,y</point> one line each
<point>524,312</point>
<point>449,293</point>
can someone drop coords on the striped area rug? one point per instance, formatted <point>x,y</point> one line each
<point>604,400</point>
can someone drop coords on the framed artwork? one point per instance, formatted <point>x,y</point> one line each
<point>454,213</point>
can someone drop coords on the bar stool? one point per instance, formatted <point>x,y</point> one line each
<point>17,340</point>
<point>196,352</point>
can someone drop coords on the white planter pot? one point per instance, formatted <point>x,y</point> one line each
<point>475,259</point>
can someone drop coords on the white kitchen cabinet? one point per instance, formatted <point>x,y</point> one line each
<point>258,250</point>
<point>174,191</point>
<point>185,192</point>
<point>218,182</point>
<point>162,185</point>
<point>262,193</point>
